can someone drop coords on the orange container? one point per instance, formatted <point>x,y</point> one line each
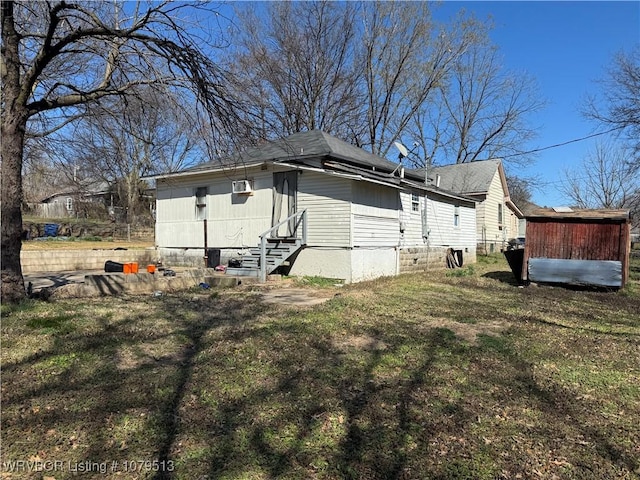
<point>130,267</point>
<point>151,269</point>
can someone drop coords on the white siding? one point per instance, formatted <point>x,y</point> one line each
<point>443,232</point>
<point>375,215</point>
<point>369,231</point>
<point>327,200</point>
<point>488,229</point>
<point>511,224</point>
<point>232,220</point>
<point>412,220</point>
<point>236,221</point>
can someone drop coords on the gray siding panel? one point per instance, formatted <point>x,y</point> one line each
<point>375,215</point>
<point>412,220</point>
<point>604,273</point>
<point>327,201</point>
<point>370,231</point>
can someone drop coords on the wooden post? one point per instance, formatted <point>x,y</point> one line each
<point>625,244</point>
<point>206,249</point>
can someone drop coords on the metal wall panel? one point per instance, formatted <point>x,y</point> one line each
<point>574,240</point>
<point>603,273</point>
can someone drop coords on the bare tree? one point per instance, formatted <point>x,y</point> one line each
<point>605,179</point>
<point>485,109</point>
<point>58,56</point>
<point>393,74</point>
<point>407,57</point>
<point>296,70</point>
<point>120,142</point>
<point>41,176</point>
<point>618,105</point>
<point>521,189</point>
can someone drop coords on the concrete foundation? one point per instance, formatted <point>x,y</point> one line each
<point>419,259</point>
<point>66,260</point>
<point>140,283</point>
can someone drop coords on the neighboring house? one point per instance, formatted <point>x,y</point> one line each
<point>526,208</point>
<point>68,201</point>
<point>310,204</point>
<point>497,216</point>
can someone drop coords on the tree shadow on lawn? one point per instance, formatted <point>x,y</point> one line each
<point>105,390</point>
<point>230,387</point>
<point>568,427</point>
<point>334,411</point>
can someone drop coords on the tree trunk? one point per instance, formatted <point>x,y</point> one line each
<point>13,125</point>
<point>12,148</point>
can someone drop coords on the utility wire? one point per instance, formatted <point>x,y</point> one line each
<point>562,144</point>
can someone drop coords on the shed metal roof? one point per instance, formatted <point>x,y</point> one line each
<point>577,214</point>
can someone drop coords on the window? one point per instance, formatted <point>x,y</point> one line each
<point>69,204</point>
<point>456,216</point>
<point>415,202</point>
<point>500,215</point>
<point>201,203</point>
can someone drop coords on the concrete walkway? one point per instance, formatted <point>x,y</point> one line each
<point>84,283</point>
<point>42,280</point>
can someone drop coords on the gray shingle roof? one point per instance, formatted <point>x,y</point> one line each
<point>304,145</point>
<point>467,178</point>
<point>321,150</point>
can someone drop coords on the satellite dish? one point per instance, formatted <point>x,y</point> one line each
<point>402,149</point>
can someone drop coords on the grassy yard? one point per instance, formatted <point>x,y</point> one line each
<point>429,376</point>
<point>56,243</point>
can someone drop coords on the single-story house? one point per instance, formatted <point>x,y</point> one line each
<point>68,201</point>
<point>497,216</point>
<point>312,205</point>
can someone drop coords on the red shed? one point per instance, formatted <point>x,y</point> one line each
<point>579,247</point>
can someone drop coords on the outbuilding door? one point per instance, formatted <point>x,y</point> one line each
<point>285,189</point>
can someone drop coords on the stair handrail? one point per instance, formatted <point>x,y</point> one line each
<point>265,235</point>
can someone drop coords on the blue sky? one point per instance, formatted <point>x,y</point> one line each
<point>567,47</point>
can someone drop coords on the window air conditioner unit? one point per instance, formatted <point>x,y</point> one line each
<point>241,186</point>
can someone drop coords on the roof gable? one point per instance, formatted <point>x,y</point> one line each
<point>468,178</point>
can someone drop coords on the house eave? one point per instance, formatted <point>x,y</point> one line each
<point>514,208</point>
<point>202,171</point>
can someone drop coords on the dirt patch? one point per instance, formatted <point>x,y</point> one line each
<point>359,342</point>
<point>296,297</point>
<point>468,331</point>
<point>147,354</point>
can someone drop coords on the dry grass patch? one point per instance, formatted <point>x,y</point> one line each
<point>80,244</point>
<point>419,376</point>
